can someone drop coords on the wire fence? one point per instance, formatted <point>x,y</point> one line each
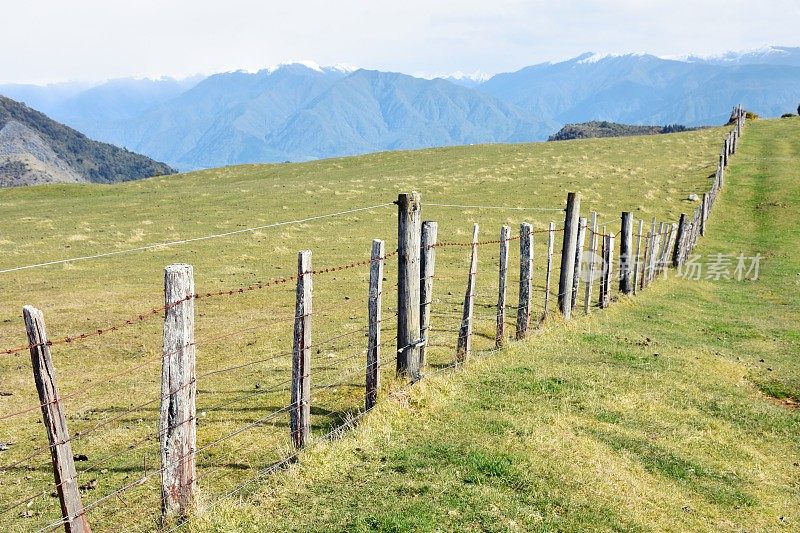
<point>246,375</point>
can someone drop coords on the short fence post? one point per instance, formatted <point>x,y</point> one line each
<point>525,279</point>
<point>430,231</point>
<point>637,259</point>
<point>408,273</point>
<point>572,213</point>
<point>500,331</point>
<point>178,424</point>
<point>625,254</point>
<point>721,171</point>
<point>55,424</point>
<point>465,333</point>
<point>373,376</point>
<point>648,245</point>
<point>608,264</point>
<point>576,274</point>
<point>551,235</point>
<point>300,408</point>
<point>592,251</point>
<point>677,254</point>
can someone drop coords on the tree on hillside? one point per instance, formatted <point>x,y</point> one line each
<point>798,109</point>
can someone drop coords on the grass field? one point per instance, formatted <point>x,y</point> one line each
<point>104,377</point>
<point>673,411</point>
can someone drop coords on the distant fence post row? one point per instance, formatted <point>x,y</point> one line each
<point>664,244</point>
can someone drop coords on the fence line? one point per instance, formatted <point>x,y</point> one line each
<point>671,243</point>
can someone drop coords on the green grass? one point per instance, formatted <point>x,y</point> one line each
<point>581,428</point>
<point>653,416</point>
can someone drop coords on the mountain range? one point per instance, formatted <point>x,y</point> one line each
<point>302,111</point>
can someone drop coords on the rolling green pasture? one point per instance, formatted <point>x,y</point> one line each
<point>103,378</point>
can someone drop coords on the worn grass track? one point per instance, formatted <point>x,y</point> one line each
<point>673,411</point>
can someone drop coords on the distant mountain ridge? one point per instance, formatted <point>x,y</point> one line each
<point>302,111</point>
<point>35,149</point>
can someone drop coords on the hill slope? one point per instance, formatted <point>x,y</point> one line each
<point>35,149</point>
<point>670,412</point>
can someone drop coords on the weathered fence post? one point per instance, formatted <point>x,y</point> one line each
<point>300,408</point>
<point>576,274</point>
<point>551,235</point>
<point>408,273</point>
<point>571,215</point>
<point>677,254</point>
<point>430,232</point>
<point>465,334</point>
<point>373,377</point>
<point>608,267</point>
<point>608,260</point>
<point>637,261</point>
<point>704,215</point>
<point>500,331</point>
<point>55,424</point>
<point>648,250</point>
<point>178,424</point>
<point>656,254</point>
<point>525,279</point>
<point>721,171</point>
<point>625,254</point>
<point>592,251</point>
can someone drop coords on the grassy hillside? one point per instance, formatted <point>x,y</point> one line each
<point>673,411</point>
<point>105,376</point>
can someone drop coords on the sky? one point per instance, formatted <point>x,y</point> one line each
<point>45,41</point>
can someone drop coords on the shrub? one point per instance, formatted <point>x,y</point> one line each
<point>751,116</point>
<point>787,115</point>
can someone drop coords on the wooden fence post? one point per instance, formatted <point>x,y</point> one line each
<point>408,273</point>
<point>576,274</point>
<point>656,255</point>
<point>648,249</point>
<point>430,231</point>
<point>592,251</point>
<point>571,215</point>
<point>626,254</point>
<point>608,268</point>
<point>525,279</point>
<point>551,235</point>
<point>500,331</point>
<point>704,214</point>
<point>55,424</point>
<point>178,424</point>
<point>637,260</point>
<point>677,254</point>
<point>721,171</point>
<point>373,376</point>
<point>300,409</point>
<point>465,334</point>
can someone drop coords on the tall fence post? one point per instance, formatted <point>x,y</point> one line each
<point>592,251</point>
<point>551,235</point>
<point>626,254</point>
<point>500,330</point>
<point>178,424</point>
<point>373,370</point>
<point>408,273</point>
<point>677,254</point>
<point>55,424</point>
<point>637,259</point>
<point>300,408</point>
<point>704,214</point>
<point>571,215</point>
<point>576,274</point>
<point>608,267</point>
<point>525,279</point>
<point>464,347</point>
<point>430,231</point>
